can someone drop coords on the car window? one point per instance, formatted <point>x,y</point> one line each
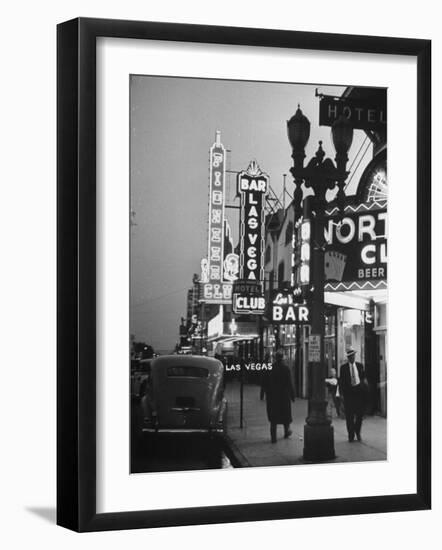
<point>188,370</point>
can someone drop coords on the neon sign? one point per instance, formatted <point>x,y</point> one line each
<point>216,211</point>
<point>217,293</point>
<point>231,267</point>
<point>356,248</point>
<point>286,308</point>
<point>214,288</point>
<point>301,252</point>
<point>248,298</point>
<point>252,188</point>
<point>248,304</point>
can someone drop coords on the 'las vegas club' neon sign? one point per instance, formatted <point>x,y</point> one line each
<point>252,188</point>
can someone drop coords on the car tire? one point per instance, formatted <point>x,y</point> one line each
<point>225,419</point>
<point>136,432</point>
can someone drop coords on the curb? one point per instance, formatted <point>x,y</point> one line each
<point>233,453</point>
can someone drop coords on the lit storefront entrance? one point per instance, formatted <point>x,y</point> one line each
<point>357,319</point>
<point>354,319</point>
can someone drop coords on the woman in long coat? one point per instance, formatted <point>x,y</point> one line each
<point>278,389</point>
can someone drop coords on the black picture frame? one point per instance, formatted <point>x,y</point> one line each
<point>76,271</point>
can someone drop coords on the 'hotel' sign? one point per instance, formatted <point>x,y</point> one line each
<point>363,114</point>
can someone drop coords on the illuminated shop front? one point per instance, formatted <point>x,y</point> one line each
<point>359,321</point>
<point>227,337</point>
<point>354,319</point>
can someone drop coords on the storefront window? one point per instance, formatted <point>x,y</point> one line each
<point>330,324</point>
<point>351,331</point>
<point>330,341</point>
<point>380,316</point>
<point>288,335</point>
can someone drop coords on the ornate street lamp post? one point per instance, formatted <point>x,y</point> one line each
<point>320,175</point>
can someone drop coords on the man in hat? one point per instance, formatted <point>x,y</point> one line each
<point>352,387</point>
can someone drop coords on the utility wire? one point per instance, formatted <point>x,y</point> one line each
<point>159,297</point>
<point>353,172</point>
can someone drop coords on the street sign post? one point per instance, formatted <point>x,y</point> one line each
<point>314,348</point>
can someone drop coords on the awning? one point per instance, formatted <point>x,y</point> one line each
<point>232,337</point>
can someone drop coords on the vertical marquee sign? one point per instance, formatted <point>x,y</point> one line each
<point>214,290</point>
<point>252,188</point>
<point>216,210</point>
<point>301,253</point>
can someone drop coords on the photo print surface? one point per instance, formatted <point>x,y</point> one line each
<point>258,261</point>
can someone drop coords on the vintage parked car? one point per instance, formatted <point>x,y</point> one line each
<point>185,393</point>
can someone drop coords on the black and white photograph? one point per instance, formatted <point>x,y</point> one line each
<point>258,274</point>
<point>207,340</point>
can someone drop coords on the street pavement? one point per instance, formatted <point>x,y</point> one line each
<point>177,452</point>
<point>252,447</point>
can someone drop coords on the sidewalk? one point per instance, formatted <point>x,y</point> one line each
<point>251,444</point>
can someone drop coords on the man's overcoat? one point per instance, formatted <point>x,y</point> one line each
<point>279,393</point>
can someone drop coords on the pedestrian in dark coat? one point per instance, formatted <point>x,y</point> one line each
<point>353,388</point>
<point>279,393</point>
